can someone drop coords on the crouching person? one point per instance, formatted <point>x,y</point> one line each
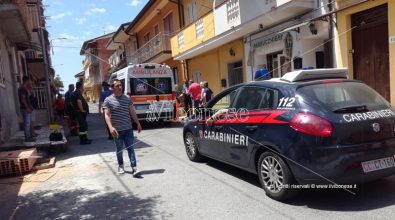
<point>118,111</point>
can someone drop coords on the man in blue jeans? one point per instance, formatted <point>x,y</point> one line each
<point>26,107</point>
<point>118,111</point>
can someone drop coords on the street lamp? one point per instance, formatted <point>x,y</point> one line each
<point>59,38</point>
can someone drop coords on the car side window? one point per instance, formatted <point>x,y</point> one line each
<point>255,98</point>
<point>225,102</point>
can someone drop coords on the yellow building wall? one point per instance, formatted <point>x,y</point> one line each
<point>208,65</point>
<point>213,65</point>
<point>344,45</point>
<point>225,58</point>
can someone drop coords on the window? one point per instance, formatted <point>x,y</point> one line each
<point>199,29</point>
<point>180,40</point>
<point>225,102</point>
<point>156,30</point>
<point>233,10</point>
<point>146,37</point>
<point>255,98</point>
<point>175,75</point>
<point>334,96</point>
<point>192,11</point>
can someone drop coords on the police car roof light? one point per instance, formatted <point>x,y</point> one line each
<point>311,74</point>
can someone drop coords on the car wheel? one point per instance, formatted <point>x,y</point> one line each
<point>275,177</point>
<point>191,147</point>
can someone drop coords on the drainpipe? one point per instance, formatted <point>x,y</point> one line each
<point>331,36</point>
<point>45,64</point>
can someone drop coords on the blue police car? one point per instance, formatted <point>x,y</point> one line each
<point>307,127</point>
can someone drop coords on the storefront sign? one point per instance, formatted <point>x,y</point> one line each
<point>268,41</point>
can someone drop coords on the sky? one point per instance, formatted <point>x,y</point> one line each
<point>71,22</point>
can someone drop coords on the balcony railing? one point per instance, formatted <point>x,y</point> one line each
<point>157,45</point>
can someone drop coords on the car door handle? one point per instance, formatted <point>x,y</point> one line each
<point>218,127</point>
<point>251,127</point>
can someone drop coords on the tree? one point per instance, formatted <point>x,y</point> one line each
<point>58,82</point>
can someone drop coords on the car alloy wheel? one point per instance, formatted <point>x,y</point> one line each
<point>272,174</point>
<point>275,177</point>
<point>191,147</point>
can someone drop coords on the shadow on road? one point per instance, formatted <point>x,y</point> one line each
<point>86,204</point>
<point>368,196</point>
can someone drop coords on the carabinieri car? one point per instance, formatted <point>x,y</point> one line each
<point>307,127</point>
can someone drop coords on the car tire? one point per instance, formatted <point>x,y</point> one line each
<point>275,177</point>
<point>191,148</point>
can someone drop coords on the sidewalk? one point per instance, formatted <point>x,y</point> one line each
<point>16,142</point>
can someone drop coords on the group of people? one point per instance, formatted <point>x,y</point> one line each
<point>118,112</point>
<point>196,95</point>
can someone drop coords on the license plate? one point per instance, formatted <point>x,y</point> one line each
<point>379,164</point>
<point>141,107</point>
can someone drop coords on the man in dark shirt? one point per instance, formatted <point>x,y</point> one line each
<point>106,92</point>
<point>26,107</point>
<point>67,101</point>
<point>81,110</point>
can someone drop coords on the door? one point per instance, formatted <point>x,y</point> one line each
<point>283,65</point>
<point>212,137</point>
<point>370,49</point>
<point>168,28</point>
<point>235,73</point>
<point>245,130</point>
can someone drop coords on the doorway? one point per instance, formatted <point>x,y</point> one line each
<point>370,48</point>
<point>235,73</point>
<point>278,64</point>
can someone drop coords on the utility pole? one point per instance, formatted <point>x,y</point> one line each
<point>46,67</point>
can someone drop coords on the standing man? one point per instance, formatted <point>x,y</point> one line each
<point>81,110</point>
<point>187,96</point>
<point>195,91</point>
<point>67,101</point>
<point>106,92</point>
<point>118,111</point>
<point>26,107</point>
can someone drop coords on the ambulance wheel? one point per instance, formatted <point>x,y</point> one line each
<point>191,147</point>
<point>275,177</point>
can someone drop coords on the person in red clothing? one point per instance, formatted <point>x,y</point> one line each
<point>59,107</point>
<point>195,91</point>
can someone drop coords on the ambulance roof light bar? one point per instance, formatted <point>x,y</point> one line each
<point>304,75</point>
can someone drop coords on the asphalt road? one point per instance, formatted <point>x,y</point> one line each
<point>85,186</point>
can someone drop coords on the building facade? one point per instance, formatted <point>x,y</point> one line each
<point>95,65</point>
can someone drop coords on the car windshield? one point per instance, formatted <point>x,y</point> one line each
<point>340,97</point>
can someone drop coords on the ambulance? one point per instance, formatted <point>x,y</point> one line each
<point>151,88</point>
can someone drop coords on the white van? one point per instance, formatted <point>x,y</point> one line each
<point>151,88</point>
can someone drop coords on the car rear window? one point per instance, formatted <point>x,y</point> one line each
<point>334,96</point>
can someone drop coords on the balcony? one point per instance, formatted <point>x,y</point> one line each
<point>89,60</point>
<point>13,20</point>
<point>194,34</point>
<point>157,50</point>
